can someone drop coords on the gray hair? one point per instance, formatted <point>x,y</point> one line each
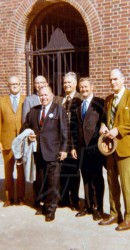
<point>71,74</point>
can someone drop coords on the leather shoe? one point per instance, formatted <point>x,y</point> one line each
<point>97,215</point>
<point>124,225</point>
<point>83,212</point>
<point>20,202</point>
<point>50,216</point>
<point>8,203</point>
<point>75,207</point>
<point>39,212</point>
<point>108,221</point>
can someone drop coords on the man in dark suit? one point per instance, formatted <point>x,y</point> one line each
<point>70,177</point>
<point>50,124</point>
<point>86,150</point>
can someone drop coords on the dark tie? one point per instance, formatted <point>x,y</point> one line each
<point>15,103</point>
<point>42,116</point>
<point>84,108</point>
<point>113,111</point>
<point>67,103</point>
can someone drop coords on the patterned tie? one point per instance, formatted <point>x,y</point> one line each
<point>84,108</point>
<point>15,105</point>
<point>67,103</point>
<point>113,111</point>
<point>42,116</point>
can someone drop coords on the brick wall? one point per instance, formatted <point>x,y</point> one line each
<point>108,24</point>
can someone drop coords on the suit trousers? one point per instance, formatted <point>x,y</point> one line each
<point>69,181</point>
<point>9,162</point>
<point>91,164</point>
<point>47,184</point>
<point>119,167</point>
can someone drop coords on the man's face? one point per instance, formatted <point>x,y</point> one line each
<point>14,85</point>
<point>116,80</point>
<point>69,85</point>
<point>85,88</point>
<point>46,96</point>
<point>40,82</point>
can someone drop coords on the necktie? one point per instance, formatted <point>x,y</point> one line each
<point>67,103</point>
<point>113,111</point>
<point>84,108</point>
<point>42,116</point>
<point>15,103</point>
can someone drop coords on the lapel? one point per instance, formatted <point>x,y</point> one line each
<point>89,110</point>
<point>9,102</point>
<point>20,104</point>
<point>47,118</point>
<point>121,104</point>
<point>109,109</point>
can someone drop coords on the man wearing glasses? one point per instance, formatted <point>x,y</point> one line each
<point>10,125</point>
<point>33,100</point>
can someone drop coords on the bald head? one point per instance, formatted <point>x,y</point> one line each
<point>117,80</point>
<point>14,85</point>
<point>39,82</point>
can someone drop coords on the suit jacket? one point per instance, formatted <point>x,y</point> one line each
<point>88,130</point>
<point>71,112</point>
<point>121,122</point>
<point>29,102</point>
<point>74,103</point>
<point>10,122</point>
<point>52,137</point>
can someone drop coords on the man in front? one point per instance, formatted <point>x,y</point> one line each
<point>118,163</point>
<point>10,125</point>
<point>50,124</point>
<point>85,149</point>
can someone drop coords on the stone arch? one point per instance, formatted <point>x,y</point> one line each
<point>17,30</point>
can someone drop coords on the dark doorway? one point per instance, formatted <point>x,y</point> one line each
<point>58,43</point>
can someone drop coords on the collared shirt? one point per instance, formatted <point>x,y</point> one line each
<point>17,98</point>
<point>119,95</point>
<point>46,109</point>
<point>71,95</point>
<point>89,99</point>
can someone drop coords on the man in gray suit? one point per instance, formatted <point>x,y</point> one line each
<point>33,100</point>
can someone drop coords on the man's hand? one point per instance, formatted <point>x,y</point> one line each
<point>103,129</point>
<point>74,154</point>
<point>32,137</point>
<point>63,155</point>
<point>112,133</point>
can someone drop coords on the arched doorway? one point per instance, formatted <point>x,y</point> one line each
<point>57,43</point>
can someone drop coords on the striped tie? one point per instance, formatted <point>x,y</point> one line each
<point>113,111</point>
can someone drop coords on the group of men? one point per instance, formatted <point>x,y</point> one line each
<point>67,130</point>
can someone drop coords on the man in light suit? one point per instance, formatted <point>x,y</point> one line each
<point>52,139</point>
<point>118,163</point>
<point>85,149</point>
<point>33,100</point>
<point>10,125</point>
<point>70,177</point>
